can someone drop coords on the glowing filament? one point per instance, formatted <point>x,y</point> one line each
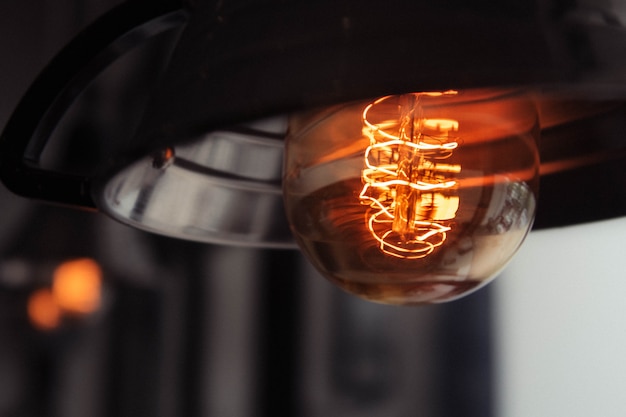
<point>406,181</point>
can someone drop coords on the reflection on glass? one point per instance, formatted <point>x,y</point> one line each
<point>413,198</point>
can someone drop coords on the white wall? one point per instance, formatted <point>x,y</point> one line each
<point>560,322</point>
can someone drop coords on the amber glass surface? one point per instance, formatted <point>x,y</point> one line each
<point>411,199</point>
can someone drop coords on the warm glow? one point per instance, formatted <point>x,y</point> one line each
<point>77,286</point>
<point>413,198</point>
<point>43,311</point>
<point>406,181</point>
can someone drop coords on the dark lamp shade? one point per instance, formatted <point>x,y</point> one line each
<point>206,163</point>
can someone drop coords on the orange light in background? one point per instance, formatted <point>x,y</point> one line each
<point>43,311</point>
<point>77,286</point>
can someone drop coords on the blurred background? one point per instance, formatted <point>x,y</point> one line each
<point>162,327</point>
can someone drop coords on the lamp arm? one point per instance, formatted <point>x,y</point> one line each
<point>58,85</point>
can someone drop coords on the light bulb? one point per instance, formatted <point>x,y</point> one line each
<point>413,198</point>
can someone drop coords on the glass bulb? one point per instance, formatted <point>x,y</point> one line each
<point>413,198</point>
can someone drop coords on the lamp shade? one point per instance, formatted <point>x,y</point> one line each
<point>205,163</point>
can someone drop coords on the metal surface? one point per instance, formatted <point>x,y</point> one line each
<point>224,188</point>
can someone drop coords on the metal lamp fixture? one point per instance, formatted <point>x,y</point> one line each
<point>417,133</point>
